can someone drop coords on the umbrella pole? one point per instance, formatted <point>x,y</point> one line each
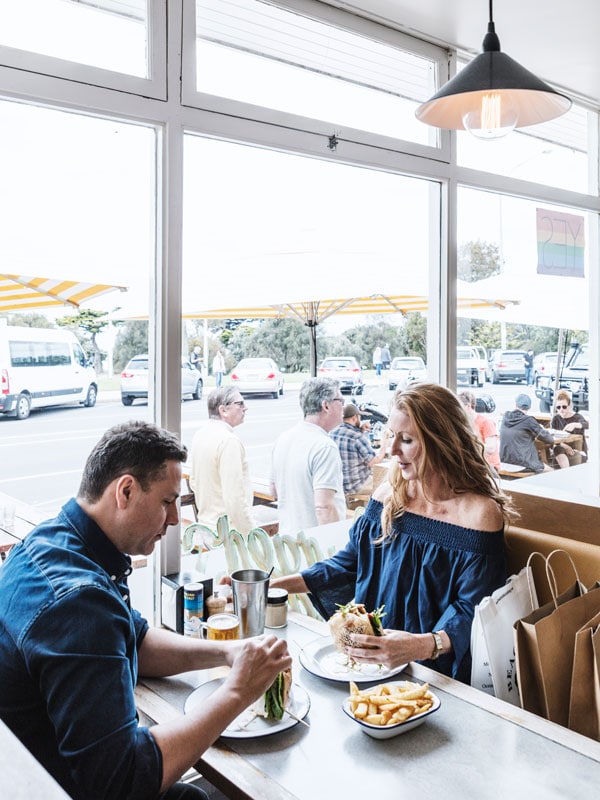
<point>312,328</point>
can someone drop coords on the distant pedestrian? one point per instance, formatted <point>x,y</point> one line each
<point>196,358</point>
<point>386,358</point>
<point>218,368</point>
<point>528,358</point>
<point>377,363</point>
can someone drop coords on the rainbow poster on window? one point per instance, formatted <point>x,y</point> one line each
<point>560,243</point>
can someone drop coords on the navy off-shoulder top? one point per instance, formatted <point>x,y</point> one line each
<point>429,575</point>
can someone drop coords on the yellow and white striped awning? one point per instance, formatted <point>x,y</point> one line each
<point>319,310</point>
<point>24,292</point>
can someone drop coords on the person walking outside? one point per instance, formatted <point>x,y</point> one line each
<point>218,368</point>
<point>377,362</point>
<point>528,358</point>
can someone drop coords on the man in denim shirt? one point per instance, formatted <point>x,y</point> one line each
<point>71,646</point>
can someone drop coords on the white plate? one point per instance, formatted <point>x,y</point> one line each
<point>322,659</point>
<point>389,731</point>
<point>246,725</point>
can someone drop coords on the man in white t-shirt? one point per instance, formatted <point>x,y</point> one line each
<point>307,468</point>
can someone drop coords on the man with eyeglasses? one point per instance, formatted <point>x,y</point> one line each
<point>219,474</point>
<point>307,468</point>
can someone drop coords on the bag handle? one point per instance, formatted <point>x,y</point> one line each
<point>530,581</point>
<point>550,571</point>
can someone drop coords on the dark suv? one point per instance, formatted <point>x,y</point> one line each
<point>574,377</point>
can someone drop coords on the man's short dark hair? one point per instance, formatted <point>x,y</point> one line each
<point>133,448</point>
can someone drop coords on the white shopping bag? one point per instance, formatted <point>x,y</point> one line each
<point>492,636</point>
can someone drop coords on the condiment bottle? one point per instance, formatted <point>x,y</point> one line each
<point>215,604</point>
<point>277,608</point>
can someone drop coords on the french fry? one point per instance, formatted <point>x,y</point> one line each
<point>389,705</point>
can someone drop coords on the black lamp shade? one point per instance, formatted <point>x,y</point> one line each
<point>531,100</point>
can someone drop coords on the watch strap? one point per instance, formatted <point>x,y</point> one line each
<point>438,645</point>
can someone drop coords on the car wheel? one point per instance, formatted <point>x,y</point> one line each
<point>90,399</point>
<point>23,406</point>
<point>495,377</point>
<point>275,395</point>
<point>197,394</point>
<point>281,390</point>
<point>126,400</point>
<point>391,386</point>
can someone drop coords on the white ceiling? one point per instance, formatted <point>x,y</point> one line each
<point>558,40</point>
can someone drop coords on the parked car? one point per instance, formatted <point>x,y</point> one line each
<point>134,380</point>
<point>470,368</point>
<point>544,364</point>
<point>574,377</point>
<point>507,365</point>
<point>344,369</point>
<point>405,370</point>
<point>258,376</point>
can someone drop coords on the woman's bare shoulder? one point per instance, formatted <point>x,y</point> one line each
<point>481,513</point>
<point>382,492</point>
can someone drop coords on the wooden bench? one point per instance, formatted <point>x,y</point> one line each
<point>510,472</point>
<point>520,543</point>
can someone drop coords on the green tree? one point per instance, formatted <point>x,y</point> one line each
<point>32,320</point>
<point>284,340</point>
<point>478,260</point>
<point>91,323</point>
<point>131,340</point>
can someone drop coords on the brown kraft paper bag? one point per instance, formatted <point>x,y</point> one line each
<point>584,710</point>
<point>545,646</point>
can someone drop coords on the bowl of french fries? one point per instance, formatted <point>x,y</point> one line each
<point>390,709</point>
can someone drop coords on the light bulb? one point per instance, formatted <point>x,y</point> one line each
<point>495,117</point>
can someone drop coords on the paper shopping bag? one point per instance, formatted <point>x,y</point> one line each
<point>545,645</point>
<point>584,709</point>
<point>493,632</point>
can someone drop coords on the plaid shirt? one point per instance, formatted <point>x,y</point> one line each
<point>356,453</point>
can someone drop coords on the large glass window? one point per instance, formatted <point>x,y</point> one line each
<point>290,229</point>
<point>257,53</point>
<point>77,202</point>
<point>530,261</point>
<point>555,153</point>
<point>110,34</point>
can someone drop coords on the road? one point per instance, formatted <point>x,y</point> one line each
<point>41,458</point>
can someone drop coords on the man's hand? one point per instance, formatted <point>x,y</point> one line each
<point>259,660</point>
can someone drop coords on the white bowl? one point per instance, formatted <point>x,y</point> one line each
<point>389,731</point>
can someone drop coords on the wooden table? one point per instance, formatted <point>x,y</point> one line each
<point>574,440</point>
<point>474,746</point>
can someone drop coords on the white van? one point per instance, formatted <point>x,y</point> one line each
<point>42,367</point>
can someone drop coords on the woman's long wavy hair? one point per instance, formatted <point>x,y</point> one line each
<point>450,448</point>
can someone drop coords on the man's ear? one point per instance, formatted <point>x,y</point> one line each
<point>123,490</point>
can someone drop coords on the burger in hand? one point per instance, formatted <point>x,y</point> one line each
<point>354,618</point>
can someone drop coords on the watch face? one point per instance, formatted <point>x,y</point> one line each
<point>438,644</point>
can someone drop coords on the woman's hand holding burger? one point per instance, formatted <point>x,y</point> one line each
<point>392,649</point>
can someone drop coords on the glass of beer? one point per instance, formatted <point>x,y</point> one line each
<point>222,626</point>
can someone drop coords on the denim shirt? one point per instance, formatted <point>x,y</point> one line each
<point>68,660</point>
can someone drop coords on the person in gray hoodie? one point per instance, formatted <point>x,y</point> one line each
<point>518,433</point>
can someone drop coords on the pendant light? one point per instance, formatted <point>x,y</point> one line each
<point>492,95</point>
